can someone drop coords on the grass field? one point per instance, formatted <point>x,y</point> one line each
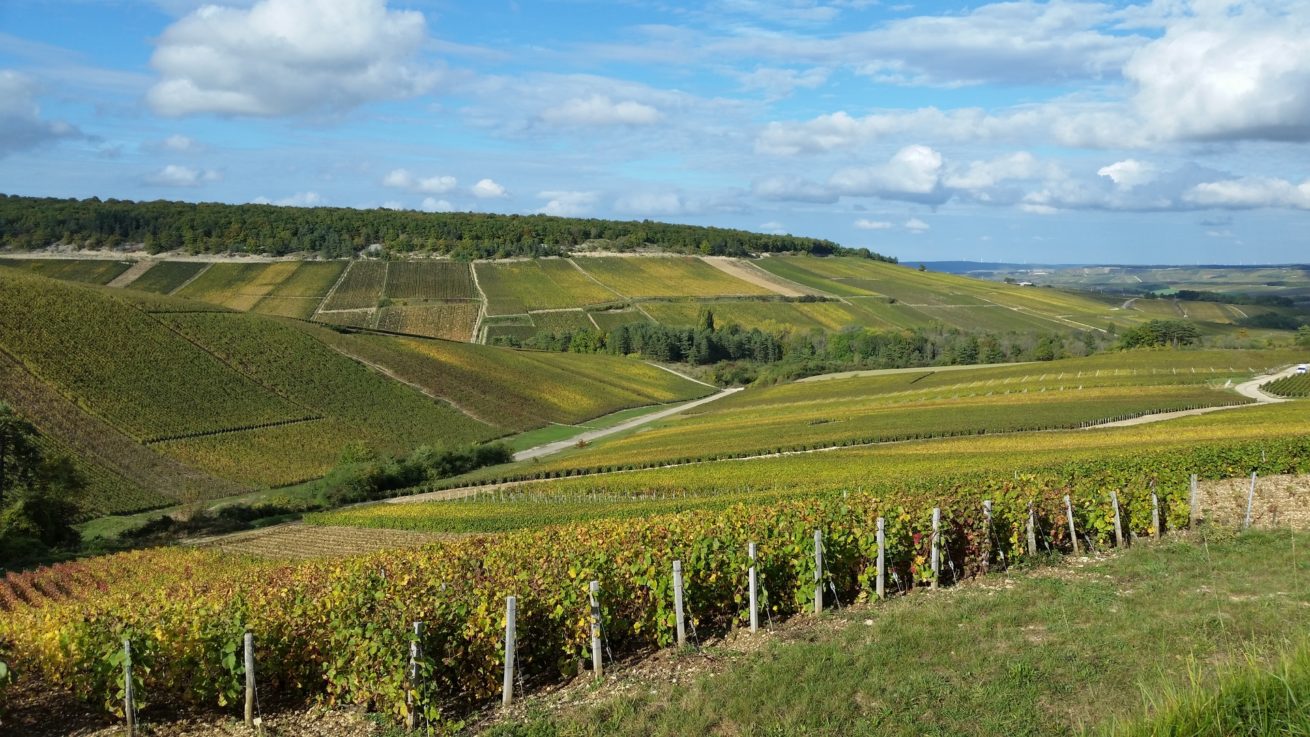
<point>520,390</point>
<point>542,284</point>
<point>88,271</point>
<point>672,276</point>
<point>450,321</point>
<point>166,276</point>
<point>559,321</point>
<point>1073,649</point>
<point>610,319</point>
<point>300,294</point>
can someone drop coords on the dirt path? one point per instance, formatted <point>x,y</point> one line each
<point>1249,389</point>
<point>590,435</point>
<point>133,273</point>
<point>748,272</point>
<point>919,370</point>
<point>1128,304</point>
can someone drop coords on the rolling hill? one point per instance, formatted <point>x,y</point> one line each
<point>164,400</point>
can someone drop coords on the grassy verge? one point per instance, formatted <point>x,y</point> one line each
<point>552,433</point>
<point>1060,650</point>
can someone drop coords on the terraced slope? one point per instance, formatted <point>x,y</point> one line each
<point>519,390</point>
<point>88,271</point>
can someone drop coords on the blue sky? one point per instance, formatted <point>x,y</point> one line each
<point>1165,131</point>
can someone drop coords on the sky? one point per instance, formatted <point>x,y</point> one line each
<point>1172,131</point>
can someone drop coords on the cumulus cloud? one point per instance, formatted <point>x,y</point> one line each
<point>913,173</point>
<point>915,225</point>
<point>866,224</point>
<point>567,203</point>
<point>174,175</point>
<point>21,124</point>
<point>179,143</point>
<point>650,203</point>
<point>600,110</point>
<point>1251,192</point>
<point>403,179</point>
<point>1128,173</point>
<point>793,189</point>
<point>299,199</point>
<point>432,204</point>
<point>778,83</point>
<point>487,189</point>
<point>1227,71</point>
<point>284,57</point>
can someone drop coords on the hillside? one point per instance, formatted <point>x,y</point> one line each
<point>514,301</point>
<point>166,400</point>
<point>33,222</point>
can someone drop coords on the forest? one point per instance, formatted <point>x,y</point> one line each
<point>28,223</point>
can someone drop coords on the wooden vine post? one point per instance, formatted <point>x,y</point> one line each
<point>1032,530</point>
<point>679,622</point>
<point>1073,533</point>
<point>754,590</point>
<point>818,571</point>
<point>1191,504</point>
<point>507,687</point>
<point>411,707</point>
<point>1118,520</point>
<point>129,698</point>
<point>1155,516</point>
<point>597,661</point>
<point>249,642</point>
<point>1250,503</point>
<point>936,552</point>
<point>882,559</point>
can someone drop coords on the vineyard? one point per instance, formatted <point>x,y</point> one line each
<point>436,280</point>
<point>450,321</point>
<point>543,284</point>
<point>1292,386</point>
<point>360,288</point>
<point>85,271</point>
<point>671,276</point>
<point>166,276</point>
<point>519,390</point>
<point>340,630</point>
<point>300,294</point>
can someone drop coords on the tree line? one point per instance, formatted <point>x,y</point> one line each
<point>28,223</point>
<point>746,355</point>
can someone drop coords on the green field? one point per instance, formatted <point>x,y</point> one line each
<point>302,292</point>
<point>542,284</point>
<point>88,271</point>
<point>671,276</point>
<point>450,321</point>
<point>429,280</point>
<point>520,390</point>
<point>562,321</point>
<point>237,286</point>
<point>166,276</point>
<point>361,288</point>
<point>769,316</point>
<point>127,367</point>
<point>1292,386</point>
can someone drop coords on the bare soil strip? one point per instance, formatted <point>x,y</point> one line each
<point>748,272</point>
<point>133,273</point>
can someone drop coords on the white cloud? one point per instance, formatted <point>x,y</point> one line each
<point>1128,173</point>
<point>778,83</point>
<point>432,204</point>
<point>915,225</point>
<point>866,224</point>
<point>913,173</point>
<point>21,125</point>
<point>650,203</point>
<point>403,179</point>
<point>980,175</point>
<point>1228,70</point>
<point>174,175</point>
<point>1251,192</point>
<point>600,110</point>
<point>567,203</point>
<point>793,189</point>
<point>774,227</point>
<point>285,57</point>
<point>179,143</point>
<point>299,199</point>
<point>488,189</point>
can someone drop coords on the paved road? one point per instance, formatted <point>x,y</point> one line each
<point>590,435</point>
<point>1249,389</point>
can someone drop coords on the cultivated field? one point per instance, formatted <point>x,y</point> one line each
<point>519,286</point>
<point>671,276</point>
